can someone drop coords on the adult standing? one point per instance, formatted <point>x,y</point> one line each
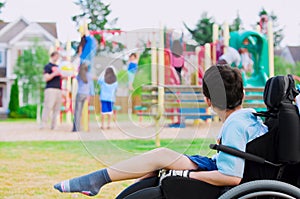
<point>52,93</point>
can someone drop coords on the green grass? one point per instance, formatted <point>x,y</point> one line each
<point>29,169</point>
<point>17,120</point>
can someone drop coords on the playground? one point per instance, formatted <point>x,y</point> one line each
<point>163,106</point>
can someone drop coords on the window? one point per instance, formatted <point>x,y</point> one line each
<point>2,58</point>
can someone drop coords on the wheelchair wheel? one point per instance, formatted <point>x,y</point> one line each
<point>262,188</point>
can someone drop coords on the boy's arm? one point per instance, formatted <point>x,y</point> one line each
<point>215,178</point>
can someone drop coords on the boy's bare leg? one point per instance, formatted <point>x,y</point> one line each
<point>139,166</point>
<point>135,167</point>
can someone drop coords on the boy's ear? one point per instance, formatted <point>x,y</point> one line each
<point>208,102</point>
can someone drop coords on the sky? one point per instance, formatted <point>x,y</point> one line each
<point>139,14</point>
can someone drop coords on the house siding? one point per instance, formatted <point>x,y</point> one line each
<point>3,72</point>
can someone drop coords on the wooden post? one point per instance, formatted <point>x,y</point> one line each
<point>161,59</point>
<point>68,88</point>
<point>214,40</point>
<point>207,56</point>
<point>153,61</point>
<point>197,51</point>
<point>161,82</point>
<point>226,36</point>
<point>271,49</point>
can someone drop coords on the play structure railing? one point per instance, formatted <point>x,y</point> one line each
<point>186,102</point>
<point>188,97</point>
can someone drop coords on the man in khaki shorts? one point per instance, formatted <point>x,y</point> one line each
<point>52,94</point>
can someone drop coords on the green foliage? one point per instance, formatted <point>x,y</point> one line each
<point>282,67</point>
<point>143,75</point>
<point>28,111</point>
<point>97,12</point>
<point>277,29</point>
<point>203,30</point>
<point>122,77</point>
<point>236,24</point>
<point>14,98</point>
<point>29,69</point>
<point>2,4</point>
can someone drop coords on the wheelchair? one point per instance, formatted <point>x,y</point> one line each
<point>272,161</point>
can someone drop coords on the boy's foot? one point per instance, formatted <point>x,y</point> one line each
<point>88,185</point>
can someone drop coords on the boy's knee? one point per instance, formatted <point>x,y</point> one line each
<point>161,151</point>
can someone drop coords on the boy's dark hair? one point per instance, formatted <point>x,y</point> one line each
<point>110,76</point>
<point>54,54</point>
<point>223,85</point>
<point>133,54</point>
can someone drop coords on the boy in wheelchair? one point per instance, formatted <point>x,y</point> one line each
<point>223,89</point>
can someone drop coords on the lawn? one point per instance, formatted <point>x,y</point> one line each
<point>29,169</point>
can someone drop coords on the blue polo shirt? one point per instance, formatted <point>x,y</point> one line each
<point>238,129</point>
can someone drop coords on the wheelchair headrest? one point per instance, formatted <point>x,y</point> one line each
<point>279,95</point>
<point>279,89</point>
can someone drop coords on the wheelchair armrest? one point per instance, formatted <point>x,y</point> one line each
<point>241,154</point>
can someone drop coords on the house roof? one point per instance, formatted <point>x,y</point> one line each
<point>2,24</point>
<point>295,52</point>
<point>50,27</point>
<point>11,30</point>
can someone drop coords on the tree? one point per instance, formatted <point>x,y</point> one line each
<point>2,4</point>
<point>14,105</point>
<point>277,29</point>
<point>96,12</point>
<point>29,69</point>
<point>203,31</point>
<point>97,15</point>
<point>236,24</point>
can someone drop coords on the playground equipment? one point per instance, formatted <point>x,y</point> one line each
<point>257,46</point>
<point>260,47</point>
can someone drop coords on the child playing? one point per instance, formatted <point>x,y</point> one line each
<point>224,92</point>
<point>108,87</point>
<point>84,91</point>
<point>132,69</point>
